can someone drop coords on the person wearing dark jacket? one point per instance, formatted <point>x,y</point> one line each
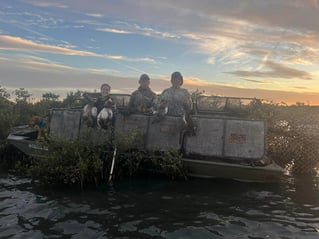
<point>100,110</point>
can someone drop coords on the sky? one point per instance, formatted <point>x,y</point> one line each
<point>248,48</point>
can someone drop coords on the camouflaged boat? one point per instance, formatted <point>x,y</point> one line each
<point>223,143</point>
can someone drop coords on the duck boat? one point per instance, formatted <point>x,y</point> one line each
<point>224,141</point>
<point>24,138</point>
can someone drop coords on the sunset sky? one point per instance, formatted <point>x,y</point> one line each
<point>267,49</point>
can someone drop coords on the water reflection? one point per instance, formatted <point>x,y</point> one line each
<point>303,189</point>
<point>154,208</point>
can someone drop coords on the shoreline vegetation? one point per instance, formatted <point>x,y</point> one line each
<point>292,137</point>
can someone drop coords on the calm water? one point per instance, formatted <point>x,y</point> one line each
<point>155,208</point>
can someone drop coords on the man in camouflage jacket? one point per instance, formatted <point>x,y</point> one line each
<point>143,100</point>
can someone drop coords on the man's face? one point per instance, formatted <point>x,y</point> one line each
<point>105,91</point>
<point>177,82</point>
<point>145,84</point>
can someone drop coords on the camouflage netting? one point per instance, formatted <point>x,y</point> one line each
<point>293,137</point>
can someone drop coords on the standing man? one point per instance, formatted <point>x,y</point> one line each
<point>176,99</point>
<point>143,100</point>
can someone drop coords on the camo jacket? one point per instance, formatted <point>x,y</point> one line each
<point>104,102</point>
<point>178,101</point>
<point>143,100</point>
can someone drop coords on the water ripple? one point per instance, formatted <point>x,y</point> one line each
<point>159,209</point>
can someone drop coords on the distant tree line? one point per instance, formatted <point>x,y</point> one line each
<point>19,111</point>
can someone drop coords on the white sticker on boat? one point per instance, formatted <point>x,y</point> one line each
<point>39,147</point>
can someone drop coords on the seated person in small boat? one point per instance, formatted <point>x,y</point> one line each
<point>99,112</point>
<point>143,100</point>
<point>175,100</point>
<point>39,123</point>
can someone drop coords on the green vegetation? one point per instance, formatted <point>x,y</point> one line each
<point>87,161</point>
<point>70,162</point>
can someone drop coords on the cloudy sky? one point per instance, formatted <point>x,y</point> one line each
<point>252,48</point>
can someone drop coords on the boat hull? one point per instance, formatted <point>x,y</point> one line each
<point>28,147</point>
<point>25,140</point>
<point>245,173</point>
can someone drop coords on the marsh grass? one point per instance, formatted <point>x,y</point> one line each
<point>293,138</point>
<point>292,135</point>
<point>83,162</point>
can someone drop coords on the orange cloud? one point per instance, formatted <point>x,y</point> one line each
<point>17,43</point>
<point>195,82</point>
<point>276,96</point>
<point>276,70</point>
